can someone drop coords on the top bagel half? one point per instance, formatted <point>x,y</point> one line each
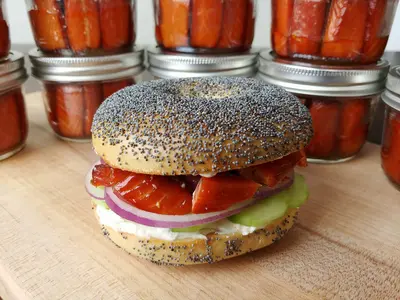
<point>199,126</point>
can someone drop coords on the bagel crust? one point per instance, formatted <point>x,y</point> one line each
<point>215,248</point>
<point>199,126</point>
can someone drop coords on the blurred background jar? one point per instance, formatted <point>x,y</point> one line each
<point>81,27</point>
<point>4,31</point>
<point>336,31</point>
<point>341,101</point>
<point>13,120</point>
<point>74,88</point>
<point>211,26</point>
<point>164,64</point>
<point>391,131</point>
<point>376,129</point>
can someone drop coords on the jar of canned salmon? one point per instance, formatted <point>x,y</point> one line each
<point>391,133</point>
<point>4,31</point>
<point>83,27</point>
<point>209,26</point>
<point>165,64</point>
<point>13,120</point>
<point>74,87</point>
<point>335,31</point>
<point>341,101</point>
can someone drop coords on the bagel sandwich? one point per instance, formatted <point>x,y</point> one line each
<point>198,170</point>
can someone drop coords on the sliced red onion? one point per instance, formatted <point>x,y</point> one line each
<point>265,191</point>
<point>134,214</point>
<point>95,192</point>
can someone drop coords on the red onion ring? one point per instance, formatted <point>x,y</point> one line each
<point>265,191</point>
<point>134,214</point>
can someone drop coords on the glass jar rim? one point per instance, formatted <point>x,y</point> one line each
<point>87,68</point>
<point>323,80</point>
<point>392,94</point>
<point>166,64</point>
<point>12,71</point>
<point>393,80</point>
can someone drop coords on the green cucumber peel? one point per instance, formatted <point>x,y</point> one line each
<point>189,229</point>
<point>268,210</point>
<point>101,203</point>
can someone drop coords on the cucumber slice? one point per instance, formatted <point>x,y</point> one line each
<point>95,191</point>
<point>298,192</point>
<point>101,203</point>
<point>266,211</point>
<point>188,229</point>
<point>261,213</point>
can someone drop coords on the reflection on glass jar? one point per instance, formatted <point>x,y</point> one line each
<point>13,123</point>
<point>4,32</point>
<point>164,64</point>
<point>75,88</point>
<point>341,101</point>
<point>391,130</point>
<point>71,107</point>
<point>205,25</point>
<point>338,31</point>
<point>340,126</point>
<point>81,27</point>
<point>391,145</point>
<point>13,120</point>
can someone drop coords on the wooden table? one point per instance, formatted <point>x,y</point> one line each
<point>346,244</point>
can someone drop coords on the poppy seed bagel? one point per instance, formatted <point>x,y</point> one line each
<point>199,126</point>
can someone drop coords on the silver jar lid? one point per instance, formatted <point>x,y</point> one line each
<point>165,64</point>
<point>12,71</point>
<point>392,94</point>
<point>88,68</point>
<point>323,80</point>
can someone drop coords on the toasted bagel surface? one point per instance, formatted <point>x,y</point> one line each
<point>199,126</point>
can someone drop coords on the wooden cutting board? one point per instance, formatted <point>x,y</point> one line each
<point>345,245</point>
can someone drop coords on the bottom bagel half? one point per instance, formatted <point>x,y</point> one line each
<point>210,248</point>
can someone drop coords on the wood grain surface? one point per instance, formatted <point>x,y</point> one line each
<point>346,244</point>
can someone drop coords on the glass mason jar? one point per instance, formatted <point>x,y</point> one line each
<point>341,101</point>
<point>75,87</point>
<point>82,27</point>
<point>335,31</point>
<point>391,130</point>
<point>4,31</point>
<point>209,26</point>
<point>13,120</point>
<point>166,65</point>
